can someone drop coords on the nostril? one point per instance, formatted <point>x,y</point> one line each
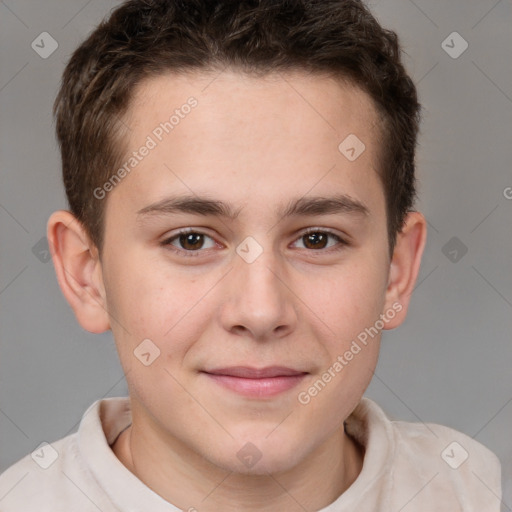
<point>238,329</point>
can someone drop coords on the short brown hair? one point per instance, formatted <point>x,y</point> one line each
<point>145,38</point>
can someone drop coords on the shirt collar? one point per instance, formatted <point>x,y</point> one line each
<point>107,418</point>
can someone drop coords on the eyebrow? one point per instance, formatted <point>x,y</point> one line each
<point>304,206</point>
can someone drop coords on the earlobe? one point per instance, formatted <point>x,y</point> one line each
<point>405,266</point>
<point>78,270</point>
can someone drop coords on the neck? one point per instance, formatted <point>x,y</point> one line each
<point>188,480</point>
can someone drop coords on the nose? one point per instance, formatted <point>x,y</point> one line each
<point>261,303</point>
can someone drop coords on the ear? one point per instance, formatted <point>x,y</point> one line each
<point>404,267</point>
<point>78,267</point>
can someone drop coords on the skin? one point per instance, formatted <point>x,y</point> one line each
<point>256,144</point>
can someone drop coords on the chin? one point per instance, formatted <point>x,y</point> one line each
<point>260,456</point>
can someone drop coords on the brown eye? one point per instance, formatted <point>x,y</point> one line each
<point>320,239</point>
<point>191,241</point>
<point>317,240</point>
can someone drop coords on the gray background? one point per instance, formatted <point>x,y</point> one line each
<point>449,363</point>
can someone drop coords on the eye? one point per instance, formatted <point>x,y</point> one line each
<point>189,241</point>
<point>317,239</point>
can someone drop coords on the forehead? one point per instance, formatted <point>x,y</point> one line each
<point>283,131</point>
<point>316,97</point>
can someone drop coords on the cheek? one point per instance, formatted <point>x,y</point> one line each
<point>350,299</point>
<point>157,319</point>
<point>349,305</point>
<point>147,301</point>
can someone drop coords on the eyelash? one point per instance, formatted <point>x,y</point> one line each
<point>187,253</point>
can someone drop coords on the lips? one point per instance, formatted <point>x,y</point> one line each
<point>257,383</point>
<point>246,372</point>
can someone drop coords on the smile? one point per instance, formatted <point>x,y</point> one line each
<point>257,383</point>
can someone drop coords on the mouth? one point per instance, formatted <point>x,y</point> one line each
<point>256,382</point>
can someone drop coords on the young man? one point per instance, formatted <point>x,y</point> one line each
<point>241,183</point>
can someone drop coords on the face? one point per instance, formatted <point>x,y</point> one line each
<point>244,239</point>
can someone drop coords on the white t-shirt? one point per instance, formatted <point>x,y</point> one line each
<point>407,467</point>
